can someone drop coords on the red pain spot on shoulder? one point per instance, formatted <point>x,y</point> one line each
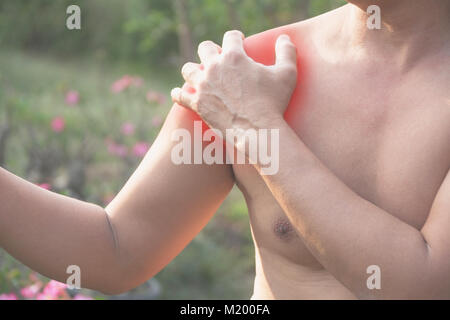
<point>261,48</point>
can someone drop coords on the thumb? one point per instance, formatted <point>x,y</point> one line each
<point>286,52</point>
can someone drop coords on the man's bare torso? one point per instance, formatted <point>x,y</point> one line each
<point>383,130</point>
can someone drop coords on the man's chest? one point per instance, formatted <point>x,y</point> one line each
<point>390,147</point>
<point>390,144</point>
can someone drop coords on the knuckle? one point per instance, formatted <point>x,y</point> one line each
<point>189,70</point>
<point>212,69</point>
<point>290,47</point>
<point>205,44</point>
<point>201,88</point>
<point>289,44</point>
<point>194,101</point>
<point>185,67</point>
<point>233,33</point>
<point>288,73</point>
<point>233,56</point>
<point>198,102</point>
<point>289,69</point>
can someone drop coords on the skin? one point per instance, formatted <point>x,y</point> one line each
<point>363,181</point>
<point>364,176</point>
<point>156,214</point>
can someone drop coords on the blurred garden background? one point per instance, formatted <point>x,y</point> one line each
<point>80,108</point>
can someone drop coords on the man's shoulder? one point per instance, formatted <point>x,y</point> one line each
<point>261,46</point>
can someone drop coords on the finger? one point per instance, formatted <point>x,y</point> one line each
<point>187,87</point>
<point>208,51</point>
<point>183,98</point>
<point>286,52</point>
<point>233,41</point>
<point>191,73</point>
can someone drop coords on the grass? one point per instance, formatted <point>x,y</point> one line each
<point>218,264</point>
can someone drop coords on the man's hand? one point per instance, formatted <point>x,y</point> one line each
<point>231,91</point>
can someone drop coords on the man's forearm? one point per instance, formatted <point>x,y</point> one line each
<point>50,232</point>
<point>342,230</point>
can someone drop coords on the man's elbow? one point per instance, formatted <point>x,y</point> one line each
<point>117,283</point>
<point>114,286</point>
<point>433,282</point>
<point>426,287</point>
<point>115,289</point>
<point>122,277</point>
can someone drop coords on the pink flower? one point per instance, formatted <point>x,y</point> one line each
<point>140,149</point>
<point>34,278</point>
<point>116,149</point>
<point>41,296</point>
<point>128,129</point>
<point>82,297</point>
<point>58,124</point>
<point>31,291</point>
<point>157,121</point>
<point>8,296</point>
<point>72,97</point>
<point>156,97</point>
<point>121,84</point>
<point>45,186</point>
<point>55,290</point>
<point>137,82</point>
<point>125,82</point>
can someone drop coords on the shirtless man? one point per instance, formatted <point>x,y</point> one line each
<point>363,175</point>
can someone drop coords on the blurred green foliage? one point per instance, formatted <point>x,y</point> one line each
<point>143,30</point>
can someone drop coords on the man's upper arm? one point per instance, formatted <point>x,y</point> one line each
<point>164,205</point>
<point>436,232</point>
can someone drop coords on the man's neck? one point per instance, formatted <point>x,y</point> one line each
<point>409,29</point>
